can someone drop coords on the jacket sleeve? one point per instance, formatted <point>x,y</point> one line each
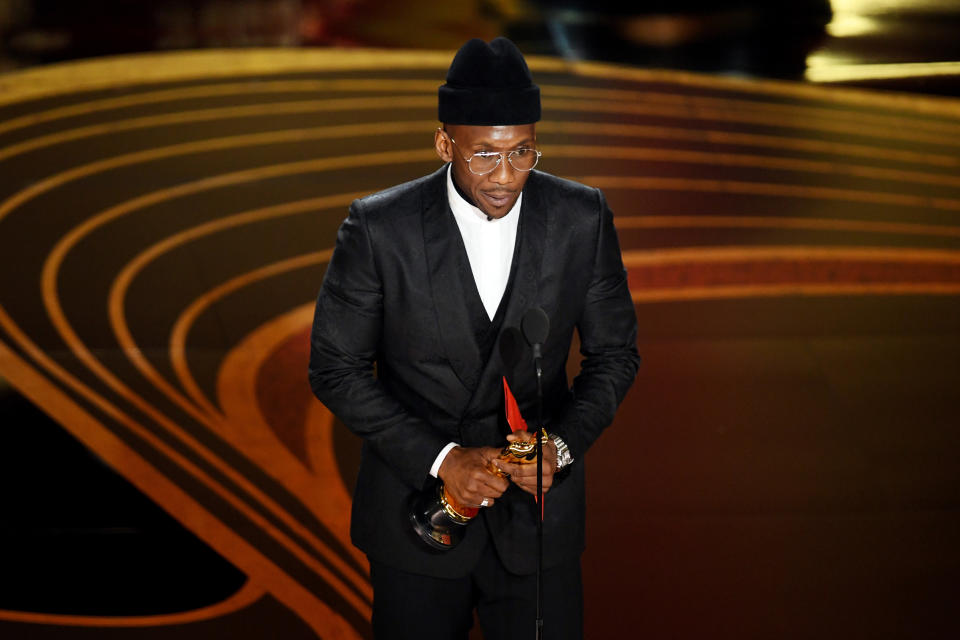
<point>608,342</point>
<point>344,342</point>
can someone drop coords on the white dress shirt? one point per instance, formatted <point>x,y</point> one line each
<point>490,244</point>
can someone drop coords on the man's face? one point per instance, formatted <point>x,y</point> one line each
<point>496,192</point>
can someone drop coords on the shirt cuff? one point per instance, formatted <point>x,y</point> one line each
<point>435,469</point>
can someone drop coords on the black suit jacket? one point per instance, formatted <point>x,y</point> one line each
<point>394,297</point>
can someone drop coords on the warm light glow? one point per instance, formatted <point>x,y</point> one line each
<point>857,18</point>
<point>848,25</point>
<point>825,69</point>
<point>877,7</point>
<point>862,17</point>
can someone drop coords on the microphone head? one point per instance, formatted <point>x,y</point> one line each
<point>535,325</point>
<point>511,348</point>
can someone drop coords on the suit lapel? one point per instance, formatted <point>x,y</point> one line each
<point>532,237</point>
<point>446,270</point>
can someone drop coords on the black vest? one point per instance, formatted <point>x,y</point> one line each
<point>486,331</point>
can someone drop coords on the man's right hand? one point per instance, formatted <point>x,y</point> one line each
<point>465,476</point>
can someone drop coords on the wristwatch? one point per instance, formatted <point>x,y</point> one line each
<point>564,458</point>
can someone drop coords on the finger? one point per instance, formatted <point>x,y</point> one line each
<point>509,468</point>
<point>522,470</point>
<point>487,484</point>
<point>506,468</point>
<point>532,490</point>
<point>489,453</point>
<point>529,470</point>
<point>499,467</point>
<point>532,482</point>
<point>495,484</point>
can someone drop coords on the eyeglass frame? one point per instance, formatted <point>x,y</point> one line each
<point>500,154</point>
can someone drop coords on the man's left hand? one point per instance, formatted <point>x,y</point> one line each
<point>525,475</point>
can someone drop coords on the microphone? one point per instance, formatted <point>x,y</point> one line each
<point>536,327</point>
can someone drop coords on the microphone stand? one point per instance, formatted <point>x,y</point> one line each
<point>536,328</point>
<point>536,362</point>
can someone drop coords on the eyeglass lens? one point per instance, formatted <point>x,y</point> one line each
<point>519,159</point>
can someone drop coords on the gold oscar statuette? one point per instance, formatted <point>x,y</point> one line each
<point>440,520</point>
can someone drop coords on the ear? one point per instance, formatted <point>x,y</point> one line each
<point>442,145</point>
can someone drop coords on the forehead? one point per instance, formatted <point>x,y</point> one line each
<point>505,137</point>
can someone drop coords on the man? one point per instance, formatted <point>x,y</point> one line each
<point>424,278</point>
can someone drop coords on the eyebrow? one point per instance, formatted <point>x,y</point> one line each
<point>487,143</point>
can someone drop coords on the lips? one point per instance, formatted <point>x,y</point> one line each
<point>498,199</point>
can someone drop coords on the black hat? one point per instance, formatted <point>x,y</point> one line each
<point>489,85</point>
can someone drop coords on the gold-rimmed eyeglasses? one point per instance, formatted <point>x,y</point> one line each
<point>483,162</point>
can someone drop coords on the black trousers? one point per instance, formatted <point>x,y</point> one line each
<point>407,605</point>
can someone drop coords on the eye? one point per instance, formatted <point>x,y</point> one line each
<point>486,154</point>
<point>522,152</point>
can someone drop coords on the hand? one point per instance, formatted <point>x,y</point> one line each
<point>525,475</point>
<point>465,476</point>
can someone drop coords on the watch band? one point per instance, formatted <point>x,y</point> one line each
<point>564,457</point>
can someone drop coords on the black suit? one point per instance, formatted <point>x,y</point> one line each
<point>397,293</point>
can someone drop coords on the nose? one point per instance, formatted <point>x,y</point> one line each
<point>503,174</point>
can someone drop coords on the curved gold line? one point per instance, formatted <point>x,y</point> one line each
<point>323,461</point>
<point>129,70</point>
<point>745,139</point>
<point>184,322</point>
<point>694,105</point>
<point>750,253</point>
<point>317,614</point>
<point>773,120</point>
<point>212,144</point>
<point>247,595</point>
<point>828,72</point>
<point>221,144</point>
<point>220,113</point>
<point>237,392</point>
<point>769,189</point>
<point>183,462</point>
<point>159,67</point>
<point>213,421</point>
<point>118,290</point>
<point>773,222</point>
<point>379,85</point>
<point>640,258</point>
<point>752,161</point>
<point>790,290</point>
